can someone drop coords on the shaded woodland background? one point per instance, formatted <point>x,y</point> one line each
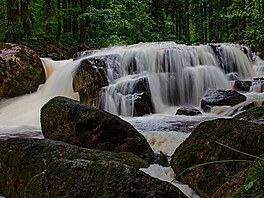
<point>99,23</point>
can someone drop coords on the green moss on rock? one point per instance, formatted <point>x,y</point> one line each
<point>201,147</point>
<point>45,168</point>
<point>255,114</point>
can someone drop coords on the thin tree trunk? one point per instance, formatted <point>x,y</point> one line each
<point>14,33</point>
<point>25,17</point>
<point>58,33</point>
<point>83,21</point>
<point>74,20</point>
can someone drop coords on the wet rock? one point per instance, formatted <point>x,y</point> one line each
<point>243,86</point>
<point>232,76</point>
<point>253,181</point>
<point>261,55</point>
<point>231,186</point>
<point>142,103</point>
<point>220,97</point>
<point>45,168</point>
<point>188,110</point>
<point>201,147</point>
<point>89,79</point>
<point>21,70</point>
<point>258,85</point>
<point>69,121</point>
<point>255,114</point>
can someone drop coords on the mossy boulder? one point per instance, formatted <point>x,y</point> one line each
<point>67,120</point>
<point>21,70</point>
<point>254,114</point>
<point>202,147</point>
<point>45,168</point>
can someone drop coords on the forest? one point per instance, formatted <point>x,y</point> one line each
<point>100,23</point>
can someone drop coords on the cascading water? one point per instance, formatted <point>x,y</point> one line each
<point>171,74</point>
<point>21,114</point>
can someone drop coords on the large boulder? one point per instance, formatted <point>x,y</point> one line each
<point>21,70</point>
<point>254,114</point>
<point>201,147</point>
<point>220,97</point>
<point>45,168</point>
<point>89,79</point>
<point>69,121</point>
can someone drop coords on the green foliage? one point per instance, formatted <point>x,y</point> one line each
<point>100,23</point>
<point>254,183</point>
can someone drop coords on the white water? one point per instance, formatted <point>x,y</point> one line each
<point>22,114</point>
<point>176,75</point>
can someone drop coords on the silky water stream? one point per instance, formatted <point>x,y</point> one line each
<point>173,75</point>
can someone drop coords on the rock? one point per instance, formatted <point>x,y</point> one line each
<point>188,110</point>
<point>69,121</point>
<point>255,114</point>
<point>201,147</point>
<point>142,103</point>
<point>232,76</point>
<point>220,97</point>
<point>253,181</point>
<point>261,55</point>
<point>231,186</point>
<point>243,86</point>
<point>21,70</point>
<point>89,79</point>
<point>258,86</point>
<point>45,168</point>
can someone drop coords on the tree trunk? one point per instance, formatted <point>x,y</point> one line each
<point>58,33</point>
<point>187,18</point>
<point>25,17</point>
<point>14,32</point>
<point>74,20</point>
<point>48,17</point>
<point>83,21</point>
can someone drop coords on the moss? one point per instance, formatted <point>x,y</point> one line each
<point>24,57</point>
<point>254,183</point>
<point>201,147</point>
<point>252,114</point>
<point>4,45</point>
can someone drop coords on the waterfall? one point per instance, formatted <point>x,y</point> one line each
<point>21,114</point>
<point>157,75</point>
<point>170,74</point>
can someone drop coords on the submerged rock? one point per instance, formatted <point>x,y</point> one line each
<point>220,97</point>
<point>69,121</point>
<point>45,168</point>
<point>201,147</point>
<point>188,110</point>
<point>21,70</point>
